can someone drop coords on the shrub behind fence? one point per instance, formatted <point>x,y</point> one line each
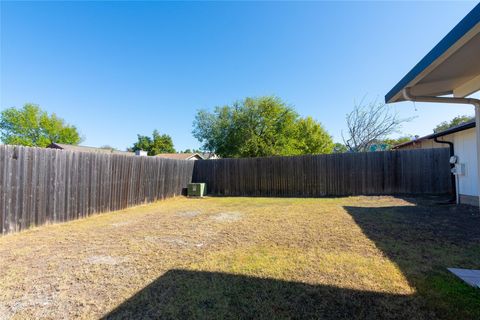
<point>392,172</point>
<point>41,186</point>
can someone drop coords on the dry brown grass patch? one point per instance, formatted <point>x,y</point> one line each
<point>380,257</point>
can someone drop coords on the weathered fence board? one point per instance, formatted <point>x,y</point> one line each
<point>40,186</point>
<point>421,171</point>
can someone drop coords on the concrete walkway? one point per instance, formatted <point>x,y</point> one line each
<point>470,276</point>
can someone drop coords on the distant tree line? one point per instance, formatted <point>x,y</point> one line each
<point>252,127</point>
<point>452,123</point>
<point>192,151</point>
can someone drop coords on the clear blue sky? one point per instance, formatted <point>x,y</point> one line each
<point>118,69</point>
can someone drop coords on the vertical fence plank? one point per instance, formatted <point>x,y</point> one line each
<point>2,191</point>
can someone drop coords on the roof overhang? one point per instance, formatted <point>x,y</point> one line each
<point>451,67</point>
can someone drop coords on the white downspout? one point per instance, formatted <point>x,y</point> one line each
<point>475,102</point>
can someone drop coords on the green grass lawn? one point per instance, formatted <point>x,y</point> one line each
<point>237,258</point>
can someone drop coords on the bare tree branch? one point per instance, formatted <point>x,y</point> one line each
<point>369,123</point>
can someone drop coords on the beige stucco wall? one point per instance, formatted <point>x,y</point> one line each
<point>427,144</point>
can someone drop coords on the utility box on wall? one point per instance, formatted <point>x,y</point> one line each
<point>196,189</point>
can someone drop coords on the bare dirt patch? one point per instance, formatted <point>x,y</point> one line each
<point>174,241</point>
<point>227,216</point>
<point>106,260</point>
<point>120,224</point>
<point>188,214</point>
<point>5,312</point>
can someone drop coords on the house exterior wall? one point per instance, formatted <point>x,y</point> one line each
<point>465,147</point>
<point>426,144</point>
<point>466,150</point>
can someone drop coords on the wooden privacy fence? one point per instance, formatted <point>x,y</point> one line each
<point>390,172</point>
<point>41,186</point>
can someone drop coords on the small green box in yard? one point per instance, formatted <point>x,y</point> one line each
<point>196,189</point>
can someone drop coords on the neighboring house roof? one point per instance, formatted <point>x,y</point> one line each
<point>180,156</point>
<point>449,67</point>
<point>464,126</point>
<point>209,155</point>
<point>70,147</point>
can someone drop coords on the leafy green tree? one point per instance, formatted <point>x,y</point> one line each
<point>34,127</point>
<point>191,151</point>
<point>158,143</point>
<point>312,138</point>
<point>108,147</point>
<point>390,142</point>
<point>257,127</point>
<point>339,148</point>
<point>452,123</point>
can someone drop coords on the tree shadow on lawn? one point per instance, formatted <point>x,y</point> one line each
<point>183,294</point>
<point>423,240</point>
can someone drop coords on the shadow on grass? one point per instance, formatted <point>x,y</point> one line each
<point>423,240</point>
<point>182,294</point>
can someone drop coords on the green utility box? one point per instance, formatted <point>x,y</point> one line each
<point>197,189</point>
